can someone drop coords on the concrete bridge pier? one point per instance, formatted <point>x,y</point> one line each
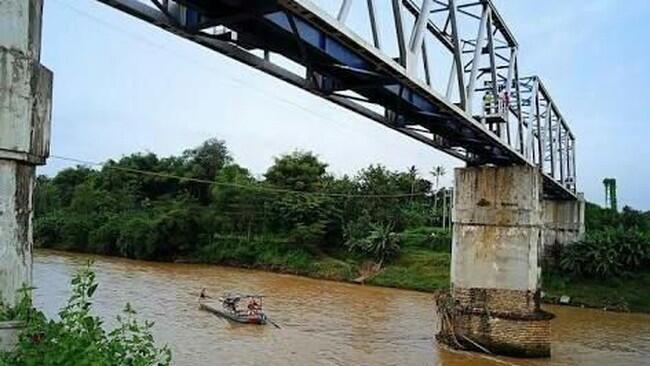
<point>25,109</point>
<point>495,270</point>
<point>564,223</point>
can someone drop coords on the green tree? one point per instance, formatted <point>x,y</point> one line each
<point>46,197</point>
<point>238,202</point>
<point>300,171</point>
<point>67,180</point>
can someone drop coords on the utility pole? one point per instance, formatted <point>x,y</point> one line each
<point>25,110</point>
<point>444,207</point>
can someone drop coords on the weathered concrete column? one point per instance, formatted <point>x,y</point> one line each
<point>495,271</point>
<point>25,108</point>
<point>564,222</point>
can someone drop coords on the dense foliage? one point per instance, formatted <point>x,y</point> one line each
<point>137,207</point>
<point>616,244</point>
<point>79,338</point>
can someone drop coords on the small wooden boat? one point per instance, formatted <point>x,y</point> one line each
<point>252,314</point>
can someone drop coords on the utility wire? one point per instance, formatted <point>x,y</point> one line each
<point>233,185</point>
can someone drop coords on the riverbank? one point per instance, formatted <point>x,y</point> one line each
<point>612,294</point>
<point>427,270</point>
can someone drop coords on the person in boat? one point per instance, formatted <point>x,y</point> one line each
<point>253,306</point>
<point>204,294</point>
<point>230,303</point>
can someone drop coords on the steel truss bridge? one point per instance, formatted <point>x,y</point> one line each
<point>485,114</point>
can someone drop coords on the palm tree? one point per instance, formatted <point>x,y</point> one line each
<point>413,175</point>
<point>437,172</point>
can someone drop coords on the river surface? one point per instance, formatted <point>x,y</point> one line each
<point>322,322</point>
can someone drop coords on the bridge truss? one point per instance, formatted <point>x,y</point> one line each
<point>485,113</point>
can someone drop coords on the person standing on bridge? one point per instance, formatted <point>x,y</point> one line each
<point>487,102</point>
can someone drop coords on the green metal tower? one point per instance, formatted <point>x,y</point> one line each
<point>610,194</point>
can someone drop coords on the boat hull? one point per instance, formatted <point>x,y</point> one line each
<point>259,318</point>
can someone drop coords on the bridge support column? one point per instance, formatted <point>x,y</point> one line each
<point>564,223</point>
<point>495,271</point>
<point>25,108</point>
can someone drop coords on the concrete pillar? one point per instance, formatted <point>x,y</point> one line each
<point>25,109</point>
<point>495,271</point>
<point>564,222</point>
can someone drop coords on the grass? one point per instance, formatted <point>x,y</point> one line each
<point>333,269</point>
<point>631,293</point>
<point>416,269</point>
<point>267,253</point>
<point>432,238</point>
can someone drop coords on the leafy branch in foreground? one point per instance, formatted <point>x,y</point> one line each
<point>79,338</point>
<point>22,311</point>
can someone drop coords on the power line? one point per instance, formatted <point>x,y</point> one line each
<point>233,185</point>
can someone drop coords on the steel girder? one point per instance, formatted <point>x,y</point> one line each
<point>356,73</point>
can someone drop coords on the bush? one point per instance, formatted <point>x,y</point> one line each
<point>47,229</point>
<point>256,251</point>
<point>136,238</point>
<point>381,243</point>
<point>606,253</point>
<point>22,311</point>
<point>103,240</point>
<point>78,338</point>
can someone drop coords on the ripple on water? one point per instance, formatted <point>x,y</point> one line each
<point>323,322</point>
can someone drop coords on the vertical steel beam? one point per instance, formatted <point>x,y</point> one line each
<point>493,67</point>
<point>457,63</point>
<point>417,37</point>
<point>511,73</point>
<point>549,119</point>
<point>425,63</point>
<point>573,162</point>
<point>374,24</point>
<point>520,114</point>
<point>477,56</point>
<point>541,146</point>
<point>344,11</point>
<point>453,74</point>
<point>399,30</point>
<point>560,138</point>
<point>493,61</point>
<point>567,140</point>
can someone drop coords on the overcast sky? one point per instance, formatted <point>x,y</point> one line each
<point>123,86</point>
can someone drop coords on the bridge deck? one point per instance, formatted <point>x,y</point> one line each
<point>337,59</point>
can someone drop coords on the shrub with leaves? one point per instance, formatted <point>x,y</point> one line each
<point>381,242</point>
<point>79,338</point>
<point>607,253</point>
<point>23,310</point>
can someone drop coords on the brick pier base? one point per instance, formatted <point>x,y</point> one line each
<point>495,270</point>
<point>500,321</point>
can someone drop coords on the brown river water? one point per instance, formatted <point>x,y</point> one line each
<point>322,322</point>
